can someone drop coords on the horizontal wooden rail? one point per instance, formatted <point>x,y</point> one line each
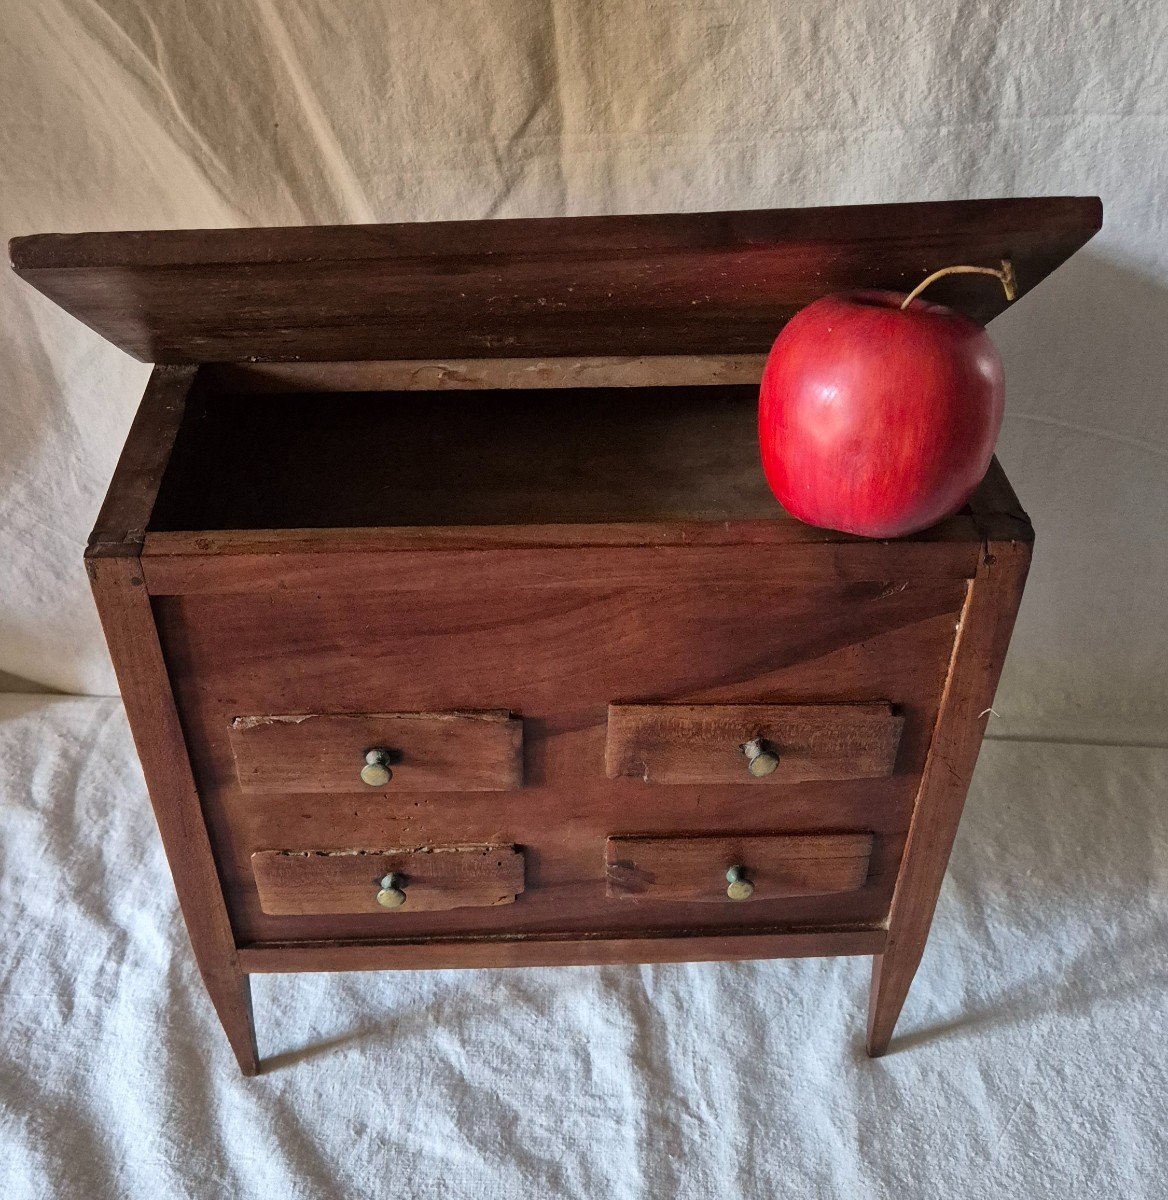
<point>559,950</point>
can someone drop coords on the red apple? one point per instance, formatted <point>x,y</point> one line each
<point>876,420</point>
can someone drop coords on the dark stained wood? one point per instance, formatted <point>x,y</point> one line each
<point>556,657</point>
<point>546,457</point>
<point>978,654</point>
<point>651,466</point>
<point>124,607</point>
<point>311,564</point>
<point>123,604</point>
<point>539,508</point>
<point>680,743</point>
<point>474,374</point>
<point>693,869</point>
<point>434,459</point>
<point>121,525</point>
<point>598,948</point>
<point>996,509</point>
<point>711,283</point>
<point>567,862</point>
<point>447,751</point>
<point>433,878</point>
<point>960,533</point>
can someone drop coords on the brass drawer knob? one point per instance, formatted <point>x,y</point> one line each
<point>738,888</point>
<point>392,893</point>
<point>760,760</point>
<point>376,772</point>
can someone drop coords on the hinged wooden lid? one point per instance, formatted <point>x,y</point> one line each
<point>695,283</point>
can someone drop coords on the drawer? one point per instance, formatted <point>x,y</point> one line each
<point>728,868</point>
<point>751,743</point>
<point>421,752</point>
<point>430,879</point>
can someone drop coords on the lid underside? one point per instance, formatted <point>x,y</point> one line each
<point>698,283</point>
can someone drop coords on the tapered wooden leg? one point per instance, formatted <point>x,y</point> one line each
<point>128,619</point>
<point>230,992</point>
<point>892,976</point>
<point>983,634</point>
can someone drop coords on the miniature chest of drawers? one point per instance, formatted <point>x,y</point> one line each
<point>457,627</point>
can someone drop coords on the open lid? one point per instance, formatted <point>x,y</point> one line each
<point>687,283</point>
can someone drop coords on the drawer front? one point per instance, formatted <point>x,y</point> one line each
<point>730,869</point>
<point>557,657</point>
<point>419,752</point>
<point>751,743</point>
<point>389,882</point>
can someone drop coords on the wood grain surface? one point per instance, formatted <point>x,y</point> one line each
<point>487,374</point>
<point>556,657</point>
<point>493,457</point>
<point>597,948</point>
<point>693,869</point>
<point>123,604</point>
<point>129,504</point>
<point>383,565</point>
<point>300,882</point>
<point>324,752</point>
<point>458,539</point>
<point>687,743</point>
<point>987,621</point>
<point>713,283</point>
<point>124,607</point>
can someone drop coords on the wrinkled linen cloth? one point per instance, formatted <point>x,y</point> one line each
<point>1031,1059</point>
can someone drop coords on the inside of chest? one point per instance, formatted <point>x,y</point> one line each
<point>484,456</point>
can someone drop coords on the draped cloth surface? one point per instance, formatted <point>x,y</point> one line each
<point>1032,1050</point>
<point>1031,1059</point>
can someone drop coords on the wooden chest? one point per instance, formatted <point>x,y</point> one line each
<point>455,622</point>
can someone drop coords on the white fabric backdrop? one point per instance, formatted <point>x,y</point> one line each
<point>155,113</point>
<point>1031,1061</point>
<point>1036,1026</point>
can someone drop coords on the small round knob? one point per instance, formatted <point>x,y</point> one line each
<point>759,760</point>
<point>738,888</point>
<point>376,772</point>
<point>392,894</point>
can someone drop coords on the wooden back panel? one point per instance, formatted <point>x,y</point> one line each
<point>693,283</point>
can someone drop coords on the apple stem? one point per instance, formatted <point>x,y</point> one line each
<point>1006,275</point>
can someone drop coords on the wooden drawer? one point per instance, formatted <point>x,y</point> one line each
<point>431,879</point>
<point>423,752</point>
<point>727,868</point>
<point>751,743</point>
